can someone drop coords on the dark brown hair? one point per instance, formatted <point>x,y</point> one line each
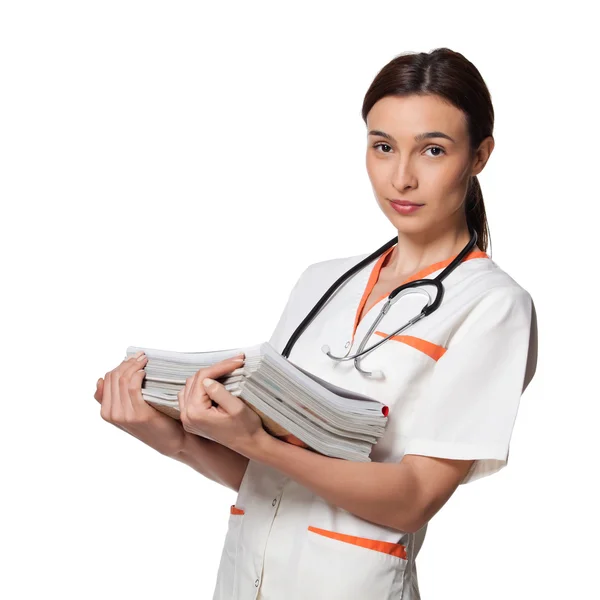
<point>451,76</point>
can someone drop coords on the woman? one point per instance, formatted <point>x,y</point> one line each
<point>307,526</point>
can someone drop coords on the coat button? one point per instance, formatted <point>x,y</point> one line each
<point>274,502</point>
<point>256,583</point>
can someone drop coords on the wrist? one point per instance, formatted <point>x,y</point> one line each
<point>257,447</point>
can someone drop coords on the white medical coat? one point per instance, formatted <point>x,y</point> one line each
<point>453,385</point>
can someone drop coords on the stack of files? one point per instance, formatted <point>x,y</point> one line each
<point>294,405</point>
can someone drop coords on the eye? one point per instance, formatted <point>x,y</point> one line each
<point>378,144</point>
<point>436,148</point>
<point>382,144</point>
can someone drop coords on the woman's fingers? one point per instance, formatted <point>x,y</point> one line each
<point>214,371</point>
<point>194,390</point>
<point>217,370</point>
<point>128,411</point>
<point>127,362</point>
<point>99,390</point>
<point>116,404</point>
<point>119,392</point>
<point>106,397</point>
<point>140,407</point>
<point>221,368</point>
<point>123,406</point>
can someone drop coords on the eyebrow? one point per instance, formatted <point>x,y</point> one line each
<point>418,138</point>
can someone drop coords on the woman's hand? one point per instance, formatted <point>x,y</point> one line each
<point>122,404</point>
<point>231,423</point>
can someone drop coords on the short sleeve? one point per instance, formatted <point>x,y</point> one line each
<point>470,405</point>
<point>282,332</point>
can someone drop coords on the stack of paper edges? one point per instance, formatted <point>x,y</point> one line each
<point>293,404</point>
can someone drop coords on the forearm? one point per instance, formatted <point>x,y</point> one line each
<point>383,493</point>
<point>213,460</point>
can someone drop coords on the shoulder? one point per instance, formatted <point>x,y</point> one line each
<point>485,281</point>
<point>492,300</point>
<point>310,286</point>
<point>332,266</point>
<point>316,279</point>
<point>325,272</point>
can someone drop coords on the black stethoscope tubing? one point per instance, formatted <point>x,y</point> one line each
<point>436,281</point>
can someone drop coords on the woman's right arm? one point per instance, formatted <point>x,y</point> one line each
<point>122,405</point>
<point>213,460</point>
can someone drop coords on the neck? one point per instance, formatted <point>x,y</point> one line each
<point>417,251</point>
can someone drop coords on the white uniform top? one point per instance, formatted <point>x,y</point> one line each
<point>452,385</point>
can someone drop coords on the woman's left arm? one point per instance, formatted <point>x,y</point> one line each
<point>403,495</point>
<point>469,409</point>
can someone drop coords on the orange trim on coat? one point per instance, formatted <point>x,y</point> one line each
<point>419,275</point>
<point>370,285</point>
<point>235,510</point>
<point>433,350</point>
<point>398,550</point>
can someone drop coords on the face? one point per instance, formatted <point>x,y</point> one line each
<point>432,172</point>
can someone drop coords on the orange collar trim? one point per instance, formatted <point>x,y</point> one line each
<point>419,275</point>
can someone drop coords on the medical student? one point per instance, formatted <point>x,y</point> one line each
<point>306,526</point>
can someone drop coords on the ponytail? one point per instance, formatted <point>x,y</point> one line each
<point>475,211</point>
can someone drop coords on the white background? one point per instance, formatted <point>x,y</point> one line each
<point>167,171</point>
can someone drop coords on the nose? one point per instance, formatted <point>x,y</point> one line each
<point>403,175</point>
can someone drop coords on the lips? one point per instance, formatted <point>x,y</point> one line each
<point>405,203</point>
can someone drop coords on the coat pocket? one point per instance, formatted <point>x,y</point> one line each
<point>226,575</point>
<point>338,566</point>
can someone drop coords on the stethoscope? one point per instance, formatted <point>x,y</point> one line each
<point>395,295</point>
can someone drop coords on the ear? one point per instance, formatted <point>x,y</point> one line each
<point>482,155</point>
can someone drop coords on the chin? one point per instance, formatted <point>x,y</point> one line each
<point>406,223</point>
